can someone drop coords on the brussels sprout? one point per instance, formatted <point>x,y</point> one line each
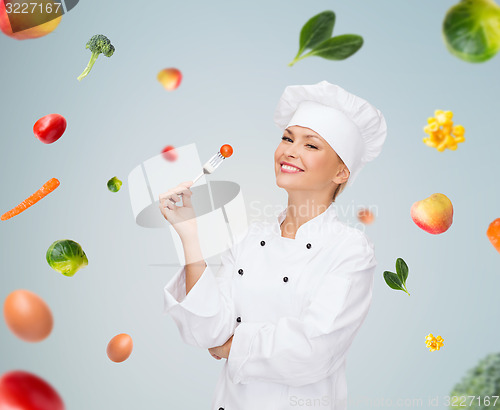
<point>114,184</point>
<point>471,30</point>
<point>66,256</point>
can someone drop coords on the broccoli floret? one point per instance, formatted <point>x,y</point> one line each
<point>482,380</point>
<point>97,44</point>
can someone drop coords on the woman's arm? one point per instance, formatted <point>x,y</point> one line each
<point>199,301</point>
<point>195,264</point>
<point>205,314</point>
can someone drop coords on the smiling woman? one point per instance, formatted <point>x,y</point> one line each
<point>317,156</point>
<point>290,296</point>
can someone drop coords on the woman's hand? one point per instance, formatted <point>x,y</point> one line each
<point>182,218</point>
<point>221,351</point>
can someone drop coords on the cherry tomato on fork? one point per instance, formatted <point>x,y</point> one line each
<point>226,150</point>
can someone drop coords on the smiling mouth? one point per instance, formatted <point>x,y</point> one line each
<point>290,170</point>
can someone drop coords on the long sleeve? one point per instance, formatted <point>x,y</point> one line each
<point>301,350</point>
<point>205,316</point>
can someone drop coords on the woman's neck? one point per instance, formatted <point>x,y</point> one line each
<point>298,215</point>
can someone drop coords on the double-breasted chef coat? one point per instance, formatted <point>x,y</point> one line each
<point>293,306</point>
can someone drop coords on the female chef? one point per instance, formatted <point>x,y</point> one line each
<point>290,296</point>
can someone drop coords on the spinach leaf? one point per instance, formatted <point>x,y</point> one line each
<point>392,280</point>
<point>339,47</point>
<point>316,35</point>
<point>316,30</point>
<point>398,281</point>
<point>402,269</point>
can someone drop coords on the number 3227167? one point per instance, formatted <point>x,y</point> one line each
<point>31,8</point>
<point>466,401</point>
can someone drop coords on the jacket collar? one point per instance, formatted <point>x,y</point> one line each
<point>314,226</point>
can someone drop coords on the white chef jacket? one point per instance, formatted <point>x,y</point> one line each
<point>293,306</point>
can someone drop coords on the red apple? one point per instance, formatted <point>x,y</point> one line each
<point>170,78</point>
<point>433,214</point>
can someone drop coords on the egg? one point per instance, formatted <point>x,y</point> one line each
<point>27,315</point>
<point>119,348</point>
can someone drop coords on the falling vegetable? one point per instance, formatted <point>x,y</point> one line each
<point>170,78</point>
<point>493,233</point>
<point>28,316</point>
<point>50,128</point>
<point>46,189</point>
<point>20,390</point>
<point>170,153</point>
<point>433,214</point>
<point>398,281</point>
<point>480,385</point>
<point>316,35</point>
<point>119,348</point>
<point>433,343</point>
<point>114,184</point>
<point>365,216</point>
<point>66,256</point>
<point>440,129</point>
<point>471,30</point>
<point>98,44</point>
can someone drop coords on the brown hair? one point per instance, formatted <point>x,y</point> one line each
<point>341,186</point>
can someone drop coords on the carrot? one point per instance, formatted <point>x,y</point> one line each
<point>46,189</point>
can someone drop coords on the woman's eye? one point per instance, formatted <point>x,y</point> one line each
<point>308,145</point>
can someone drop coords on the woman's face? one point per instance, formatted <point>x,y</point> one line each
<point>321,168</point>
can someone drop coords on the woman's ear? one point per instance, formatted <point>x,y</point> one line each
<point>342,175</point>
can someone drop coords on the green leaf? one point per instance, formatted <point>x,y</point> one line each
<point>393,280</point>
<point>338,48</point>
<point>402,270</point>
<point>316,30</point>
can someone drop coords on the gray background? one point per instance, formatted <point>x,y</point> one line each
<point>234,58</point>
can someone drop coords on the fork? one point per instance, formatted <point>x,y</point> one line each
<point>209,167</point>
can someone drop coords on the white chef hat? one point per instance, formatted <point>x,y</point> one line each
<point>354,128</point>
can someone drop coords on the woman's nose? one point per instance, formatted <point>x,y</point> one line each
<point>291,151</point>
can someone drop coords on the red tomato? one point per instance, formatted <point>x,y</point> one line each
<point>21,390</point>
<point>50,128</point>
<point>226,150</point>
